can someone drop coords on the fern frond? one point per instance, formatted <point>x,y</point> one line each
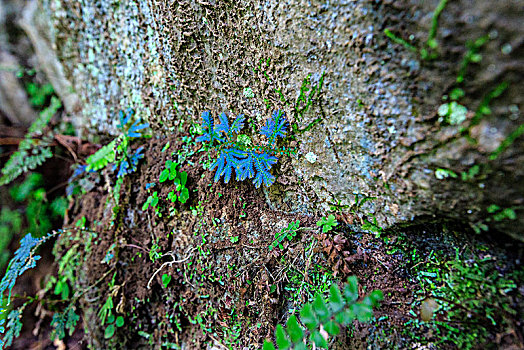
<point>263,163</point>
<point>245,168</point>
<point>13,327</point>
<point>135,128</point>
<point>208,128</point>
<point>102,157</point>
<point>228,159</point>
<point>31,152</point>
<point>235,128</point>
<point>224,124</point>
<point>23,260</point>
<point>28,157</point>
<point>63,321</point>
<point>127,167</point>
<point>44,117</point>
<point>132,131</point>
<point>124,118</point>
<point>275,127</point>
<point>238,124</point>
<point>247,161</point>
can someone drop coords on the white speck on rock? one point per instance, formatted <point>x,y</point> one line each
<point>311,157</point>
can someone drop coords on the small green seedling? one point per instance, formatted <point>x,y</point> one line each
<point>328,223</point>
<point>154,252</point>
<point>112,325</point>
<point>373,226</point>
<point>442,174</point>
<point>453,112</point>
<point>179,178</point>
<point>166,279</point>
<point>470,173</point>
<point>288,232</point>
<point>500,214</point>
<point>152,201</point>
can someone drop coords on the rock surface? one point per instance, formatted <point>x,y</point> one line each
<point>374,126</point>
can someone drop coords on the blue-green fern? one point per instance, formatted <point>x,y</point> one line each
<point>25,258</point>
<point>248,162</point>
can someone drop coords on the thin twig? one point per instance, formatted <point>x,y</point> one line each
<point>170,263</point>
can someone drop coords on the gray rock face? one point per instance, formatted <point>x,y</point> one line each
<point>372,131</point>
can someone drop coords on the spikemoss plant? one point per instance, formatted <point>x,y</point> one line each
<point>253,162</point>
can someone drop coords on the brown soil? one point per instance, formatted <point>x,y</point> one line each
<point>221,283</point>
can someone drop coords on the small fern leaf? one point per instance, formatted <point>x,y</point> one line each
<point>238,124</point>
<point>245,168</point>
<point>28,157</point>
<point>263,163</point>
<point>13,327</point>
<point>135,128</point>
<point>224,124</point>
<point>124,118</point>
<point>23,260</point>
<point>224,127</point>
<point>219,164</point>
<point>228,159</point>
<point>102,157</point>
<point>275,127</point>
<point>207,127</point>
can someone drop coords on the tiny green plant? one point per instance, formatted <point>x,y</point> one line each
<point>288,232</point>
<point>441,173</point>
<point>508,141</point>
<point>470,173</point>
<point>472,55</point>
<point>105,314</point>
<point>10,224</point>
<point>64,321</point>
<point>308,94</point>
<point>38,94</point>
<point>39,211</point>
<point>453,112</point>
<point>428,49</point>
<point>500,214</point>
<point>373,226</point>
<point>117,151</point>
<point>152,201</point>
<point>323,319</point>
<point>166,279</point>
<point>154,252</point>
<point>327,223</point>
<point>113,324</point>
<point>496,214</point>
<point>179,179</point>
